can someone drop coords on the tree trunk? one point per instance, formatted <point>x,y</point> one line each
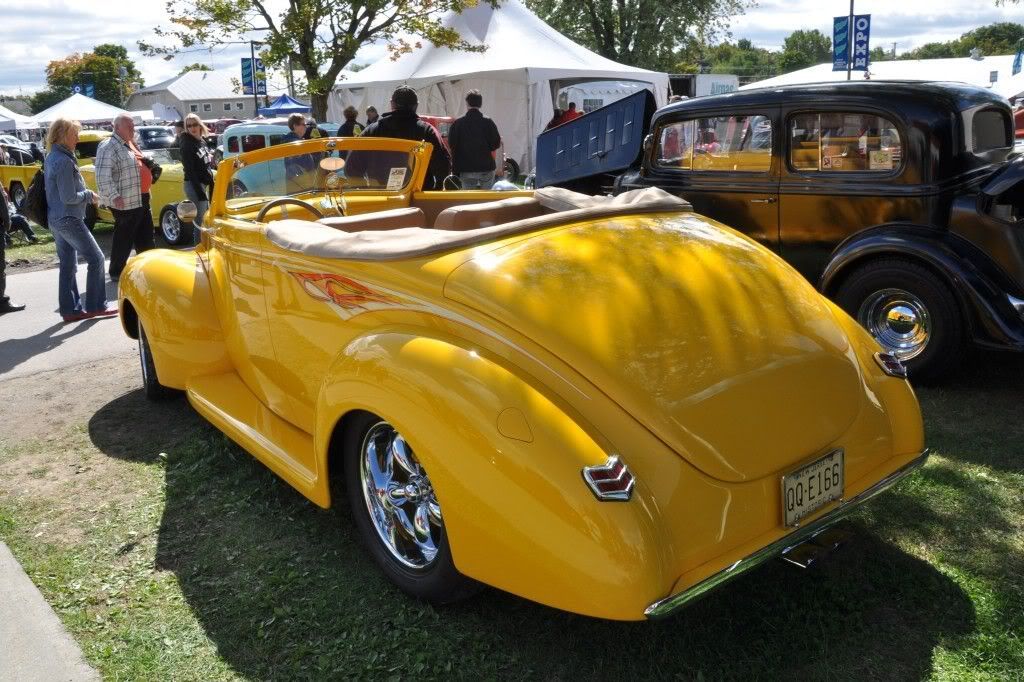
<point>319,103</point>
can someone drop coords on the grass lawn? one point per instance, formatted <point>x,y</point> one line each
<point>23,254</point>
<point>171,554</point>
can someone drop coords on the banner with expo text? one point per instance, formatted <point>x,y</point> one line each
<point>843,34</point>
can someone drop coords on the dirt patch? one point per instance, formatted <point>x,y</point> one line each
<point>47,454</point>
<point>43,406</point>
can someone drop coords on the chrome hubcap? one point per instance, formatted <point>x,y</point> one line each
<point>171,226</point>
<point>898,320</point>
<point>18,197</point>
<point>399,498</point>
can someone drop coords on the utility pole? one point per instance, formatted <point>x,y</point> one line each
<point>849,44</point>
<point>894,50</point>
<point>255,80</point>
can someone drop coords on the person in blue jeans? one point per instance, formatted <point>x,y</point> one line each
<point>66,201</point>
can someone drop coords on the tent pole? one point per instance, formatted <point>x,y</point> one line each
<point>529,127</point>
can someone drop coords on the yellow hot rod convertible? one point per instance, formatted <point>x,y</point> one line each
<point>606,405</point>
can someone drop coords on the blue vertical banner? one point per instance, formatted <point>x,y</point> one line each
<point>253,78</point>
<point>246,76</point>
<point>1017,60</point>
<point>90,90</point>
<point>861,41</point>
<point>840,43</point>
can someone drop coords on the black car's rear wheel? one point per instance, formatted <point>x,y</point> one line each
<point>397,513</point>
<point>909,311</point>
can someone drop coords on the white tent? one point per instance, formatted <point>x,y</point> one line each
<point>525,64</point>
<point>80,108</point>
<point>960,69</point>
<point>11,120</point>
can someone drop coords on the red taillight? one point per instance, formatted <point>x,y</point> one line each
<point>891,365</point>
<point>611,480</point>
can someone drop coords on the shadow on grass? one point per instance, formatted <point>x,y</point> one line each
<point>285,591</point>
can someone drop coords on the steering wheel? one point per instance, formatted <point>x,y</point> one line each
<point>287,200</point>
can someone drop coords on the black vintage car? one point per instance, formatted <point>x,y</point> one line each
<point>903,201</point>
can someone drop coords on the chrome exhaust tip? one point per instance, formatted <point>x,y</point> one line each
<point>817,547</point>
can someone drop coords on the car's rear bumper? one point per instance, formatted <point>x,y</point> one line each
<point>668,605</point>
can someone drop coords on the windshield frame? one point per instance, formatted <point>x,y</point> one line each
<point>419,153</point>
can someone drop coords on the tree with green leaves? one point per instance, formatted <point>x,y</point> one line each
<point>195,67</point>
<point>740,58</point>
<point>804,48</point>
<point>101,68</point>
<point>643,33</point>
<point>999,38</point>
<point>317,36</point>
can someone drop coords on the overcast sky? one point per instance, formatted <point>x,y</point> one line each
<point>38,31</point>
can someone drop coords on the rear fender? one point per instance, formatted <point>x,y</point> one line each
<point>506,463</point>
<point>170,293</point>
<point>968,273</point>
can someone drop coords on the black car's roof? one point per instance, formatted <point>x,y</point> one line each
<point>887,94</point>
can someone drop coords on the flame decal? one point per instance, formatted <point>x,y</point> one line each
<point>346,293</point>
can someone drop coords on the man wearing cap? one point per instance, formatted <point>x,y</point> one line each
<point>403,123</point>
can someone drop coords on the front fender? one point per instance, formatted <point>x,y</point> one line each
<point>506,463</point>
<point>170,293</point>
<point>978,284</point>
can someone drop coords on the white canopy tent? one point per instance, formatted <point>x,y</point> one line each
<point>525,64</point>
<point>80,108</point>
<point>11,120</point>
<point>960,69</point>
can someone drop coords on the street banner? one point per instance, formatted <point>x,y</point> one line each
<point>87,89</point>
<point>861,39</point>
<point>249,76</point>
<point>1017,60</point>
<point>840,43</point>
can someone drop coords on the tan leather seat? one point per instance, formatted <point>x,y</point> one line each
<point>383,220</point>
<point>472,216</point>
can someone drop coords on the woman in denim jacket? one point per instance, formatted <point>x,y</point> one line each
<point>66,200</point>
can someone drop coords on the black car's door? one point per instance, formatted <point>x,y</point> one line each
<point>841,173</point>
<point>722,163</point>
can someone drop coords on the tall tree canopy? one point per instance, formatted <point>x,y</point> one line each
<point>993,39</point>
<point>318,36</point>
<point>100,68</point>
<point>643,33</point>
<point>804,48</point>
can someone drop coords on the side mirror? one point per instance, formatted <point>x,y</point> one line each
<point>186,211</point>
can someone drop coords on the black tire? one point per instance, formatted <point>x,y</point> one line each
<point>154,389</point>
<point>943,348</point>
<point>511,170</point>
<point>173,231</point>
<point>91,217</point>
<point>17,195</point>
<point>438,583</point>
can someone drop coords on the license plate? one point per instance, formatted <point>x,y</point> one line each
<point>812,487</point>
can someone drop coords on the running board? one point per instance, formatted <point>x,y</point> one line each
<point>227,403</point>
<point>815,548</point>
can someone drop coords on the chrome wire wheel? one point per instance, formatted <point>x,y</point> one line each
<point>170,226</point>
<point>898,320</point>
<point>399,498</point>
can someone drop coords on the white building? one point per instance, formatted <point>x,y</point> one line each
<point>210,94</point>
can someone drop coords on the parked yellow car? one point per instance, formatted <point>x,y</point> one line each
<point>164,196</point>
<point>605,405</point>
<point>16,178</point>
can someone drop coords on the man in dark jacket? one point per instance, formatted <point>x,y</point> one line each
<point>5,221</point>
<point>474,139</point>
<point>403,123</point>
